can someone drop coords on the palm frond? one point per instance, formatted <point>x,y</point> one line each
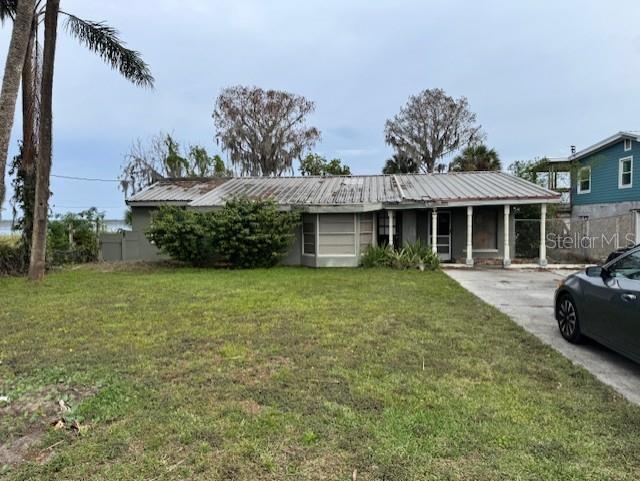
<point>7,9</point>
<point>103,40</point>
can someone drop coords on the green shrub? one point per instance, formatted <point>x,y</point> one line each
<point>184,235</point>
<point>13,260</point>
<point>413,256</point>
<point>243,234</point>
<point>73,238</point>
<point>251,234</point>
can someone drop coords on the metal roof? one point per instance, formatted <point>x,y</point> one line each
<point>375,191</point>
<point>455,187</point>
<point>180,191</point>
<point>307,191</point>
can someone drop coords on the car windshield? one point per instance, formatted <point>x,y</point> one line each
<point>628,267</point>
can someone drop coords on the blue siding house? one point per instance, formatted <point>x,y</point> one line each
<point>605,179</point>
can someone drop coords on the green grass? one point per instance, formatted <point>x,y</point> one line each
<point>298,374</point>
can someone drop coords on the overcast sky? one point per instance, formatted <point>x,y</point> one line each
<point>539,75</point>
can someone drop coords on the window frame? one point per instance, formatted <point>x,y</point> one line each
<point>621,172</point>
<point>314,223</point>
<point>627,149</point>
<point>611,267</point>
<point>579,180</point>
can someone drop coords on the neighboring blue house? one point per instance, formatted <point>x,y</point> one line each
<point>605,179</point>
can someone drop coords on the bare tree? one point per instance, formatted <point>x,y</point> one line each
<point>18,46</point>
<point>430,126</point>
<point>162,157</point>
<point>263,131</point>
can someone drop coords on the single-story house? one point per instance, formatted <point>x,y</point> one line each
<point>462,216</point>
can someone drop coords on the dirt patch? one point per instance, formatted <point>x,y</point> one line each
<point>25,420</point>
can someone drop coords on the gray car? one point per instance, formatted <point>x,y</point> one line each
<point>603,303</point>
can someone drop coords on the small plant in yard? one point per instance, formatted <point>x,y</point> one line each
<point>416,255</point>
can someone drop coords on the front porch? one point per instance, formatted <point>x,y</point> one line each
<point>460,235</point>
<point>463,235</point>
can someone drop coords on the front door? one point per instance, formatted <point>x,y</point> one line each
<point>443,237</point>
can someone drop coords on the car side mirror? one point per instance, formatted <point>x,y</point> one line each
<point>595,271</point>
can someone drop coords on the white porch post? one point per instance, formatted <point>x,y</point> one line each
<point>543,235</point>
<point>390,212</point>
<point>506,258</point>
<point>637,239</point>
<point>434,231</point>
<point>469,235</point>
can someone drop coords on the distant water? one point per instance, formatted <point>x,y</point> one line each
<point>112,225</point>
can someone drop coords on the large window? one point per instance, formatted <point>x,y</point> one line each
<point>309,234</point>
<point>485,229</point>
<point>625,176</point>
<point>584,180</point>
<point>337,235</point>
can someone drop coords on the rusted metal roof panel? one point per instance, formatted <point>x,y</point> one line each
<point>176,190</point>
<point>306,191</point>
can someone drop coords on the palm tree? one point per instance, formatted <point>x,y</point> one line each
<point>476,157</point>
<point>43,172</point>
<point>22,13</point>
<point>97,37</point>
<point>400,164</point>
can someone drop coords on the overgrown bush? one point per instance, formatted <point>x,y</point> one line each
<point>413,256</point>
<point>243,234</point>
<point>73,238</point>
<point>13,260</point>
<point>184,235</point>
<point>253,233</point>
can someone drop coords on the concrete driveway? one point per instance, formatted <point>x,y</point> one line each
<point>527,297</point>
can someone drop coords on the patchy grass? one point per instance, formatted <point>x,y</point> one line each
<point>294,374</point>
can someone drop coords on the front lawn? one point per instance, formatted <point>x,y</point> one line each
<point>292,374</point>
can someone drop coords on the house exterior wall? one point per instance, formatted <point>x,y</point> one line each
<point>141,218</point>
<point>340,238</point>
<point>605,177</point>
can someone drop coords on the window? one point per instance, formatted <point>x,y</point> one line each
<point>627,144</point>
<point>584,180</point>
<point>383,228</point>
<point>628,267</point>
<point>336,235</point>
<point>485,229</point>
<point>625,175</point>
<point>366,231</point>
<point>309,234</point>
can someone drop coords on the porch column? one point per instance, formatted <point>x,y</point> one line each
<point>469,235</point>
<point>637,239</point>
<point>434,230</point>
<point>390,212</point>
<point>506,258</point>
<point>543,235</point>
